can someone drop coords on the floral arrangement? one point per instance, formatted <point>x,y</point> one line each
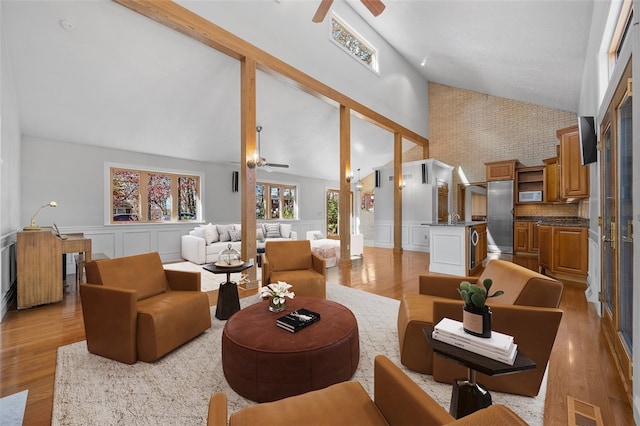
<point>277,292</point>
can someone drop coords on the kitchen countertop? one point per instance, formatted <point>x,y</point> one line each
<point>471,223</point>
<point>570,221</point>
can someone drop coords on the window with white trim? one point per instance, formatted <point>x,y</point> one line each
<point>353,43</point>
<point>276,201</point>
<point>150,196</point>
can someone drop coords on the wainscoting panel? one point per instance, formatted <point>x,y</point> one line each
<point>384,235</point>
<point>168,243</point>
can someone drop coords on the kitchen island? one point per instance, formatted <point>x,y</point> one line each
<point>457,248</point>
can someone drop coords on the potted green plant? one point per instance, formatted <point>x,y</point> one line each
<point>476,315</point>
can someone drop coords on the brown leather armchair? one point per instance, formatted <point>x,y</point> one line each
<point>135,309</point>
<point>527,310</point>
<point>398,400</point>
<point>294,262</point>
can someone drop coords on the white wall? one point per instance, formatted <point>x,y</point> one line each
<point>9,176</point>
<point>400,92</point>
<point>73,176</point>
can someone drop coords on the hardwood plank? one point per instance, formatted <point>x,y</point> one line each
<point>581,364</point>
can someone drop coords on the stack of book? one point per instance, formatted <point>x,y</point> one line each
<point>499,346</point>
<point>297,320</point>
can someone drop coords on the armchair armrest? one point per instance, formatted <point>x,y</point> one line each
<point>442,285</point>
<point>183,280</point>
<point>110,321</point>
<point>319,264</point>
<point>400,400</point>
<point>217,415</point>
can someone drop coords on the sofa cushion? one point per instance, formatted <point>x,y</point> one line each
<point>273,230</point>
<point>234,234</point>
<point>210,233</point>
<point>223,232</point>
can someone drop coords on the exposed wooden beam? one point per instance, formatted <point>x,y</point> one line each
<point>397,193</point>
<point>248,175</point>
<point>187,22</point>
<point>344,204</point>
<point>322,11</point>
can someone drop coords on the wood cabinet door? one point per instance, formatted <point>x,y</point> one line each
<point>574,177</point>
<point>551,192</point>
<point>481,249</point>
<point>501,170</point>
<point>534,241</point>
<point>570,250</point>
<point>521,236</point>
<point>545,252</point>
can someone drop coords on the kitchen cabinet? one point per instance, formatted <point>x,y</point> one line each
<point>545,250</point>
<point>551,191</point>
<point>525,237</point>
<point>563,249</point>
<point>570,250</point>
<point>501,170</point>
<point>529,179</point>
<point>451,248</point>
<point>574,177</point>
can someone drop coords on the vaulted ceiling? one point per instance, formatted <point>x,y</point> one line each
<point>116,79</point>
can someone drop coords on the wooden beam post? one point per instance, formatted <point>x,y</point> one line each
<point>397,192</point>
<point>248,175</point>
<point>344,205</point>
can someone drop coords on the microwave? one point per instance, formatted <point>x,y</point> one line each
<point>529,196</point>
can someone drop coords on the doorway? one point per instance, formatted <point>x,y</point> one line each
<point>616,213</point>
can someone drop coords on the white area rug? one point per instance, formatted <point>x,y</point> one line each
<point>175,390</point>
<point>209,280</point>
<point>12,408</point>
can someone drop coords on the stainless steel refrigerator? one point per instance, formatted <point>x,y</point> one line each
<point>500,216</point>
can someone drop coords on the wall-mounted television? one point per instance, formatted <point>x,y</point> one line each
<point>588,140</point>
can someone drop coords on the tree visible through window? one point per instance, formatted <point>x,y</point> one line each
<point>281,202</point>
<point>156,191</point>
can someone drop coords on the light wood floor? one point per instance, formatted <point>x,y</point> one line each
<point>581,365</point>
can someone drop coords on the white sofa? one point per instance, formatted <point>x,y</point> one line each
<point>318,243</point>
<point>205,243</point>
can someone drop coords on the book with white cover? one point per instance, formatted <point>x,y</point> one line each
<point>507,357</point>
<point>438,335</point>
<point>497,340</point>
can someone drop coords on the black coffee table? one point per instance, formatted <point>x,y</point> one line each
<point>228,299</point>
<point>468,395</point>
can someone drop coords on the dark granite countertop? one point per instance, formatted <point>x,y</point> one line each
<point>471,223</point>
<point>578,222</point>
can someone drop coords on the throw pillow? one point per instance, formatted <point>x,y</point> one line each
<point>285,230</point>
<point>199,232</point>
<point>237,227</point>
<point>317,235</point>
<point>210,234</point>
<point>235,235</point>
<point>223,232</point>
<point>273,230</point>
<point>259,233</point>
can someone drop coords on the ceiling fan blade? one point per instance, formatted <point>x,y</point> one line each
<point>322,11</point>
<point>286,166</point>
<point>375,6</point>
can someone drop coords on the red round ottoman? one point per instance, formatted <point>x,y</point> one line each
<point>264,362</point>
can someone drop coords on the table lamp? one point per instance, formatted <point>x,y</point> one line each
<point>33,226</point>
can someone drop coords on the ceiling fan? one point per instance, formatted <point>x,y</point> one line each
<point>261,162</point>
<point>375,7</point>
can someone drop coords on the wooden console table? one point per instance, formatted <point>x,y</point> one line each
<point>39,262</point>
